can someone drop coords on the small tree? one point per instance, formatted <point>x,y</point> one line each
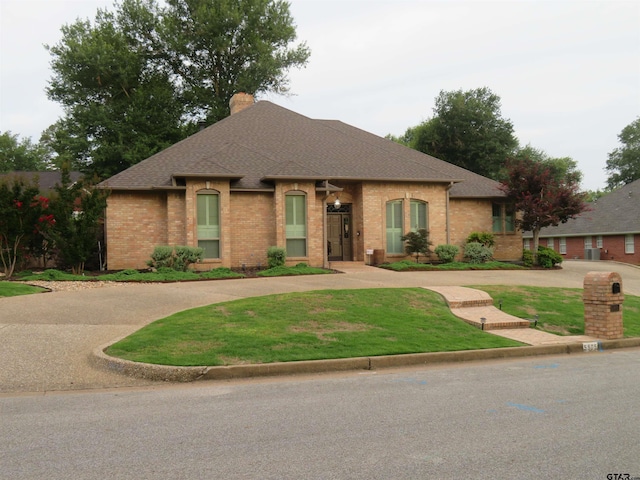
<point>417,243</point>
<point>79,210</point>
<point>23,216</point>
<point>541,198</point>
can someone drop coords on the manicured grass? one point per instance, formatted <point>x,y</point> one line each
<point>306,326</point>
<point>163,275</point>
<point>409,265</point>
<point>300,269</point>
<point>560,310</point>
<point>12,289</point>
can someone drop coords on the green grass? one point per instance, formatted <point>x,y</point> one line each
<point>560,310</point>
<point>300,269</point>
<point>12,289</point>
<point>306,326</point>
<point>163,275</point>
<point>410,265</point>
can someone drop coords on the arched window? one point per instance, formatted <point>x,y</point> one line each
<point>208,210</point>
<point>296,224</point>
<point>394,227</point>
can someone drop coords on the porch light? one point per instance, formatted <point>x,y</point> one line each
<point>337,202</point>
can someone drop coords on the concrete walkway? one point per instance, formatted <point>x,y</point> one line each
<point>473,305</point>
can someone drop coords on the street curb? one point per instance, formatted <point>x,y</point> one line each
<point>190,374</point>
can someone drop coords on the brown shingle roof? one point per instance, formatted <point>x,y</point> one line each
<point>46,180</point>
<point>265,142</point>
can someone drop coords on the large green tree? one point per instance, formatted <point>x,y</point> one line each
<point>623,165</point>
<point>564,169</point>
<point>22,154</point>
<point>468,130</point>
<point>143,76</point>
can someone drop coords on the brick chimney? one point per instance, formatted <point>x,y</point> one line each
<point>240,101</point>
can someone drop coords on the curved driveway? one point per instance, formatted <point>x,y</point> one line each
<point>47,339</point>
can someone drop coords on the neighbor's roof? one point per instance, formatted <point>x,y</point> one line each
<point>617,212</point>
<point>266,142</point>
<point>47,180</point>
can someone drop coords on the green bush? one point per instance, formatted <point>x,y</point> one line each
<point>484,238</point>
<point>527,258</point>
<point>162,257</point>
<point>548,257</point>
<point>475,252</point>
<point>185,256</point>
<point>446,253</point>
<point>276,257</point>
<point>178,259</point>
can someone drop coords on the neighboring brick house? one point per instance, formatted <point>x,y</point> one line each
<point>608,230</point>
<point>324,190</point>
<point>46,180</point>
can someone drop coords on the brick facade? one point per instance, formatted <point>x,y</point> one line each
<point>613,247</point>
<point>251,222</point>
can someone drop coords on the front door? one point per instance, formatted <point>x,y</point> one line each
<point>339,233</point>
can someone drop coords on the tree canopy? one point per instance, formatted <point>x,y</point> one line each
<point>22,155</point>
<point>140,78</point>
<point>468,130</point>
<point>623,165</point>
<point>541,198</point>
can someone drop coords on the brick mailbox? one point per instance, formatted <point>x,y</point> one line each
<point>602,297</point>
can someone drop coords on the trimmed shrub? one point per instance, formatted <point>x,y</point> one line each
<point>548,257</point>
<point>185,256</point>
<point>484,238</point>
<point>446,253</point>
<point>162,257</point>
<point>276,257</point>
<point>475,252</point>
<point>177,259</point>
<point>527,258</point>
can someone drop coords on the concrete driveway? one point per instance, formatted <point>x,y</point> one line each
<point>47,339</point>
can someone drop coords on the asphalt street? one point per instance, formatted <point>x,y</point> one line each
<point>567,417</point>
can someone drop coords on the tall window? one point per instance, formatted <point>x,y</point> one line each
<point>418,215</point>
<point>550,242</point>
<point>629,246</point>
<point>563,245</point>
<point>208,206</point>
<point>394,227</point>
<point>599,241</point>
<point>588,242</point>
<point>296,228</point>
<point>504,218</point>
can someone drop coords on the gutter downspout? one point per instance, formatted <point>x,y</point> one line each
<point>448,219</point>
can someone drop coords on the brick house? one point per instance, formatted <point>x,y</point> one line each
<point>324,190</point>
<point>608,230</point>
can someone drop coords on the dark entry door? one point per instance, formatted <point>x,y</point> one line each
<point>339,237</point>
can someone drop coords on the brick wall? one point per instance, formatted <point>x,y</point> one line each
<point>136,222</point>
<point>253,229</point>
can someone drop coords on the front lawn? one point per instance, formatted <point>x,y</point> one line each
<point>306,326</point>
<point>560,310</point>
<point>12,289</point>
<point>409,266</point>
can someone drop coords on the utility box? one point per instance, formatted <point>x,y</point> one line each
<point>602,298</point>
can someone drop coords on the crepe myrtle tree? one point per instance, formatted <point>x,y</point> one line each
<point>540,197</point>
<point>24,220</point>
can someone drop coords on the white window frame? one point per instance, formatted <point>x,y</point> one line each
<point>588,241</point>
<point>550,243</point>
<point>527,244</point>
<point>599,241</point>
<point>563,246</point>
<point>419,220</point>
<point>629,243</point>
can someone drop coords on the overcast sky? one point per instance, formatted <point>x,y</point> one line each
<point>568,72</point>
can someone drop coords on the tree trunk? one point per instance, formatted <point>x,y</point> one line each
<point>536,241</point>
